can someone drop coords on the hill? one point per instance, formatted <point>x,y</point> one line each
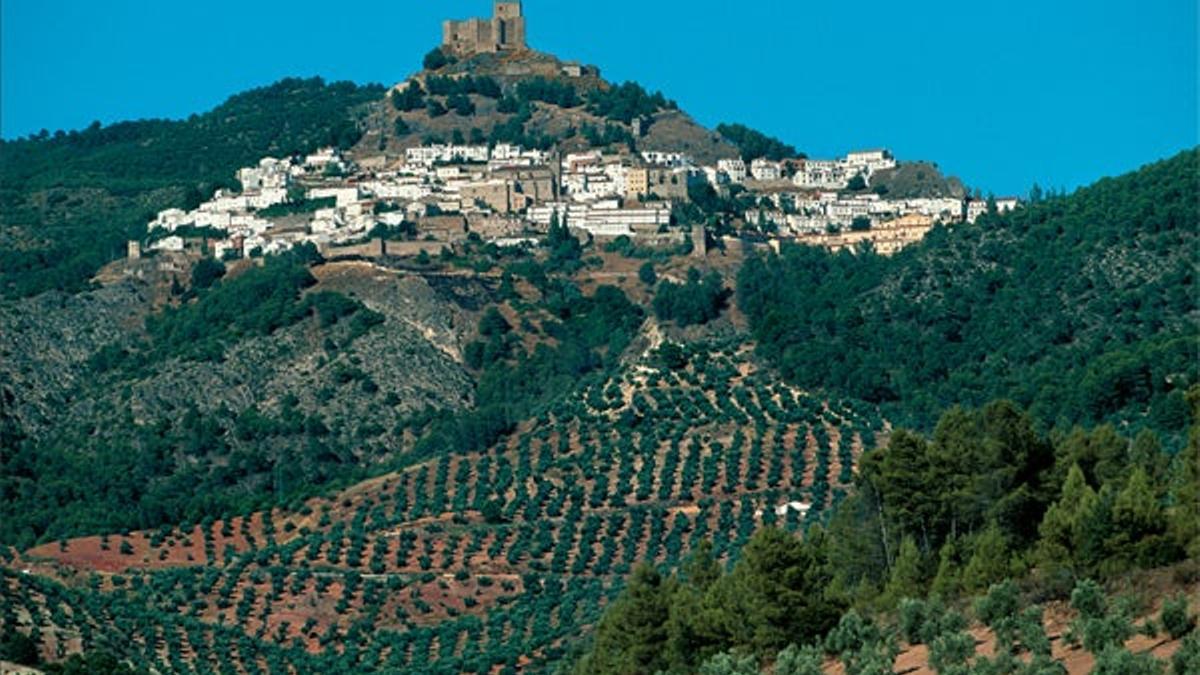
<point>528,98</point>
<point>1079,307</point>
<point>459,462</point>
<point>70,201</point>
<point>477,558</point>
<point>212,407</point>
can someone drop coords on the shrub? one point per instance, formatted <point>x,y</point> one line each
<point>1088,599</point>
<point>647,275</point>
<point>951,649</point>
<point>730,664</point>
<point>1119,661</point>
<point>912,620</point>
<point>1187,659</point>
<point>799,661</point>
<point>436,59</point>
<point>1175,618</point>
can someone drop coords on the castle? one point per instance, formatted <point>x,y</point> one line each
<point>504,32</point>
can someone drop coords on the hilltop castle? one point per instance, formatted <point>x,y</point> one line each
<point>504,32</point>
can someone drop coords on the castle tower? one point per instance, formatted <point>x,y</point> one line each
<point>508,26</point>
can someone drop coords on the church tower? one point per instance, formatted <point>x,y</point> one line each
<point>508,26</point>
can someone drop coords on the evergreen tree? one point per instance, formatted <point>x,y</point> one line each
<point>1139,524</point>
<point>948,581</point>
<point>1187,660</point>
<point>1185,514</point>
<point>1120,661</point>
<point>632,637</point>
<point>800,661</point>
<point>1061,529</point>
<point>989,562</point>
<point>775,596</point>
<point>907,578</point>
<point>730,664</point>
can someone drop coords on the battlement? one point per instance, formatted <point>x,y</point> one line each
<point>504,32</point>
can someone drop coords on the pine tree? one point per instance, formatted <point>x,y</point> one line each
<point>948,581</point>
<point>907,579</point>
<point>1185,514</point>
<point>1139,522</point>
<point>632,637</point>
<point>776,593</point>
<point>1060,531</point>
<point>730,664</point>
<point>799,661</point>
<point>989,563</point>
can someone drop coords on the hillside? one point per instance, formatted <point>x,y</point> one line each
<point>582,453</point>
<point>93,398</point>
<point>70,201</point>
<point>529,99</point>
<point>480,558</point>
<point>1080,307</point>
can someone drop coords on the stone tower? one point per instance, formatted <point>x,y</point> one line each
<point>504,32</point>
<point>508,26</point>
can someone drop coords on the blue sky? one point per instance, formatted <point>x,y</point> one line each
<point>1000,93</point>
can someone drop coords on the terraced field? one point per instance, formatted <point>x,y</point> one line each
<point>481,562</point>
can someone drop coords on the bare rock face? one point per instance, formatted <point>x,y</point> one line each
<point>47,340</point>
<point>411,362</point>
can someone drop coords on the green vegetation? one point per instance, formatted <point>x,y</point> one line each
<point>611,134</point>
<point>298,207</point>
<point>150,469</point>
<point>590,334</point>
<point>625,102</point>
<point>450,86</point>
<point>756,145</point>
<point>759,525</point>
<point>772,598</point>
<point>977,489</point>
<point>69,201</point>
<point>1028,306</point>
<point>408,99</point>
<point>544,90</point>
<point>437,59</point>
<point>697,301</point>
<point>256,303</point>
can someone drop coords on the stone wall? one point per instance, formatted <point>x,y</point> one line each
<point>505,31</point>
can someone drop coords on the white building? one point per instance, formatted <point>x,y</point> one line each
<point>345,196</point>
<point>978,207</point>
<point>868,162</point>
<point>220,221</point>
<point>668,159</point>
<point>171,220</point>
<point>325,158</point>
<point>715,176</point>
<point>575,162</point>
<point>430,155</point>
<point>407,189</point>
<point>172,243</point>
<point>225,202</point>
<point>267,198</point>
<point>821,174</point>
<point>765,170</point>
<point>603,218</point>
<point>735,169</point>
<point>326,220</point>
<point>270,173</point>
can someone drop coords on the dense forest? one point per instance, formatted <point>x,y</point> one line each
<point>69,200</point>
<point>191,464</point>
<point>755,144</point>
<point>985,508</point>
<point>1081,308</point>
